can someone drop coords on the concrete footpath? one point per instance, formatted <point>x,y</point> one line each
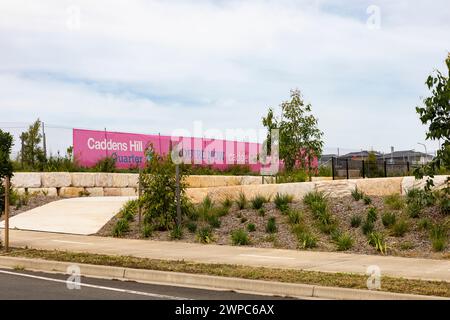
<point>412,268</point>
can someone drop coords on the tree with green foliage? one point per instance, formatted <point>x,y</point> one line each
<point>436,114</point>
<point>32,155</point>
<point>159,199</point>
<point>6,169</point>
<point>300,138</point>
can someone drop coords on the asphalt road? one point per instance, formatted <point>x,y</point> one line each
<point>22,285</point>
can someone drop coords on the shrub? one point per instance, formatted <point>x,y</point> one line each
<point>282,201</point>
<point>258,202</point>
<point>421,197</point>
<point>376,240</point>
<point>204,235</point>
<point>355,221</point>
<point>399,228</point>
<point>438,236</point>
<point>394,201</point>
<point>413,209</point>
<point>239,238</point>
<point>192,226</point>
<point>251,227</point>
<point>297,175</point>
<point>176,233</point>
<point>158,201</point>
<point>120,228</point>
<point>357,195</point>
<point>367,200</point>
<point>372,214</point>
<point>443,202</point>
<point>307,240</point>
<point>424,224</point>
<point>147,230</point>
<point>129,210</point>
<point>388,219</point>
<point>106,164</point>
<point>261,212</point>
<point>367,227</point>
<point>344,242</point>
<point>271,226</point>
<point>241,201</point>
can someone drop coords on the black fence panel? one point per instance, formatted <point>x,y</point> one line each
<point>354,169</point>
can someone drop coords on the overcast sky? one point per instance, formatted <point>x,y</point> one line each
<point>158,66</point>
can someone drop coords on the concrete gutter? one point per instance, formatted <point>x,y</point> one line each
<point>209,282</point>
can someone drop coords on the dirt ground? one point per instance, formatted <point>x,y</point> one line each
<point>415,243</point>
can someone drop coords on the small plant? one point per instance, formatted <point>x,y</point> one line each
<point>357,195</point>
<point>207,203</point>
<point>261,212</point>
<point>367,227</point>
<point>81,194</point>
<point>367,200</point>
<point>335,234</point>
<point>394,201</point>
<point>214,221</point>
<point>376,239</point>
<point>421,197</point>
<point>241,201</point>
<point>282,201</point>
<point>294,216</point>
<point>204,235</point>
<point>251,227</point>
<point>372,214</point>
<point>413,209</point>
<point>424,224</point>
<point>271,226</point>
<point>258,202</point>
<point>400,228</point>
<point>176,233</point>
<point>244,220</point>
<point>299,228</point>
<point>407,245</point>
<point>344,242</point>
<point>355,221</point>
<point>307,240</point>
<point>239,238</point>
<point>227,203</point>
<point>388,219</point>
<point>121,227</point>
<point>314,196</point>
<point>328,228</point>
<point>191,226</point>
<point>438,236</point>
<point>147,230</point>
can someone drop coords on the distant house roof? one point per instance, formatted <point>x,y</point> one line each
<point>359,154</point>
<point>407,154</point>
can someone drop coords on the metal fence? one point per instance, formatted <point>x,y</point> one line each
<point>354,169</point>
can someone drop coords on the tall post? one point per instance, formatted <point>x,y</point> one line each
<point>7,186</point>
<point>385,169</point>
<point>139,197</point>
<point>363,169</point>
<point>407,166</point>
<point>332,167</point>
<point>21,152</point>
<point>177,173</point>
<point>346,167</point>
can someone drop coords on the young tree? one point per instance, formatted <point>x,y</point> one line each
<point>6,169</point>
<point>32,154</point>
<point>300,137</point>
<point>436,114</point>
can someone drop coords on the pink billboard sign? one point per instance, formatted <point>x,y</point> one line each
<point>128,149</point>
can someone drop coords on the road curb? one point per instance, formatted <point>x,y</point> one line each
<point>210,282</point>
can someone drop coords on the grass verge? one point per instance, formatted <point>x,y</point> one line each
<point>343,280</point>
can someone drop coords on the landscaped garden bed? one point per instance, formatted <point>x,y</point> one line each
<point>416,225</point>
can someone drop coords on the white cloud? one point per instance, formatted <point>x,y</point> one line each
<point>153,66</point>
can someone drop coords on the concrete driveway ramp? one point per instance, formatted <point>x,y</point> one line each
<point>82,216</point>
